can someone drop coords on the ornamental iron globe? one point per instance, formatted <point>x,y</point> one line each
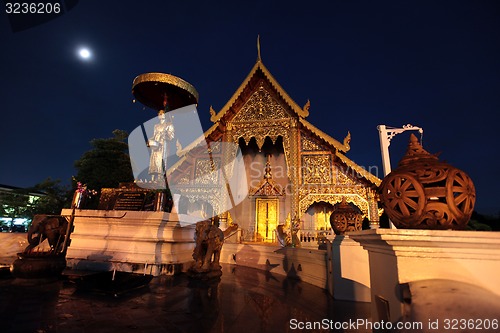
<point>425,193</point>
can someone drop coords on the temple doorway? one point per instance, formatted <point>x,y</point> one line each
<point>267,219</point>
<point>317,217</point>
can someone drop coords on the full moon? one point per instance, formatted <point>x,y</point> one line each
<point>84,53</point>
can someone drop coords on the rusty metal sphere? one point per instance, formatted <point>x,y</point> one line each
<point>425,193</point>
<point>345,217</point>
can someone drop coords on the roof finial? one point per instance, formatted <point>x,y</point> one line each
<point>258,48</point>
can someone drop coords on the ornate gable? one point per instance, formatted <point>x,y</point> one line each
<point>267,188</point>
<point>261,105</point>
<point>260,70</point>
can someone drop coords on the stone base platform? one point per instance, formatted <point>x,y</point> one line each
<point>307,265</point>
<point>133,241</point>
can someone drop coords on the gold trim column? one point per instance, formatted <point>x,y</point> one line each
<point>373,209</point>
<point>227,153</point>
<point>294,165</point>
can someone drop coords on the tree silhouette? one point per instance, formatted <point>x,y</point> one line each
<point>107,164</point>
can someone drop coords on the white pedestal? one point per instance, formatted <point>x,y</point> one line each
<point>131,240</point>
<point>399,256</point>
<point>348,269</point>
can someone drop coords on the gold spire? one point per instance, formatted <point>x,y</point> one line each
<point>267,169</point>
<point>258,48</point>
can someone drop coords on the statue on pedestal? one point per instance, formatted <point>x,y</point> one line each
<point>163,133</point>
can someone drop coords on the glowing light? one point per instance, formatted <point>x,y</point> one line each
<point>84,53</point>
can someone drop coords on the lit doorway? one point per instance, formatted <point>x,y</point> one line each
<point>267,219</point>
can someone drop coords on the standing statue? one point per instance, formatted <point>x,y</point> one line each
<point>163,132</point>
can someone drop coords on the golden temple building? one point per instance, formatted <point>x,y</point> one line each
<point>294,171</point>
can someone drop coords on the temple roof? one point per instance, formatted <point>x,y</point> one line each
<point>301,112</point>
<point>360,170</point>
<point>345,147</point>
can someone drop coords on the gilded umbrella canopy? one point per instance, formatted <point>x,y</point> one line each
<point>151,89</point>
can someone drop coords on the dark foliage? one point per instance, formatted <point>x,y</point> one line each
<point>107,164</point>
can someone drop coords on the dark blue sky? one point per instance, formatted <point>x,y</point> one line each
<point>434,64</point>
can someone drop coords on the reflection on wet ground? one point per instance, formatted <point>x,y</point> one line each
<point>245,300</point>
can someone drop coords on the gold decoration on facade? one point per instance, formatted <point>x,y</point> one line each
<point>345,147</point>
<point>307,189</point>
<point>230,221</point>
<point>341,178</point>
<point>360,170</point>
<point>267,187</point>
<point>316,169</point>
<point>209,194</point>
<point>424,193</point>
<point>183,154</point>
<point>259,67</point>
<point>262,129</point>
<point>207,171</point>
<point>307,144</point>
<point>229,153</point>
<point>184,180</point>
<point>333,199</point>
<point>260,106</point>
<point>215,147</point>
<point>294,176</point>
<point>261,109</point>
<point>375,211</point>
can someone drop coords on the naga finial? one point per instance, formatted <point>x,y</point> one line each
<point>179,148</point>
<point>347,141</point>
<point>307,106</point>
<point>212,114</point>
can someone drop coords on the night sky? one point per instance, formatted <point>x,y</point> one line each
<point>434,64</point>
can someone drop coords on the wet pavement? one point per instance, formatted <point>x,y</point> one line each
<point>245,300</point>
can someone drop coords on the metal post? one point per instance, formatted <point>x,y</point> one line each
<point>386,134</point>
<point>384,148</point>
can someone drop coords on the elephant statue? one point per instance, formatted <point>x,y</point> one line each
<point>50,227</point>
<point>209,240</point>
